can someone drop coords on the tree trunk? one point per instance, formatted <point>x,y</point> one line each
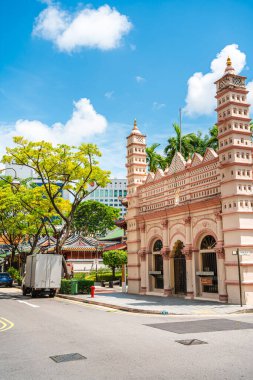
<point>65,268</point>
<point>13,251</point>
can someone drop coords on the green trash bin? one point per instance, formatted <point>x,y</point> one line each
<point>74,287</point>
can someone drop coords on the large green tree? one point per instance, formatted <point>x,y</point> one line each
<point>93,218</point>
<point>61,168</point>
<point>114,259</point>
<point>25,215</point>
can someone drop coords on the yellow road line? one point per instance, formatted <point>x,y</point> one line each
<point>6,324</point>
<point>3,325</point>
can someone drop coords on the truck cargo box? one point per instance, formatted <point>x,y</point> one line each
<point>43,271</point>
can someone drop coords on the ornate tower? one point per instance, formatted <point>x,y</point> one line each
<point>136,175</point>
<point>136,159</point>
<point>235,157</point>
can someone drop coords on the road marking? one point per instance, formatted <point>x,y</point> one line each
<point>29,304</point>
<point>5,324</point>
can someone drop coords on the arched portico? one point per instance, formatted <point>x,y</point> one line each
<point>178,268</point>
<point>155,264</point>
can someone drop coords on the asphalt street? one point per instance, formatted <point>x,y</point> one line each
<point>118,345</point>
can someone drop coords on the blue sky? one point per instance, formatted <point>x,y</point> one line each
<point>136,66</point>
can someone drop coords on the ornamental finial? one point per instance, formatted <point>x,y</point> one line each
<point>135,124</point>
<point>229,62</point>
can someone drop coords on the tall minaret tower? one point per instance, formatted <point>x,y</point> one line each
<point>136,176</point>
<point>235,157</point>
<point>136,159</point>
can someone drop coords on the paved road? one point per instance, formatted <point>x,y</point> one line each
<point>117,345</point>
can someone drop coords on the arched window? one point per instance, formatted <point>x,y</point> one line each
<point>208,242</point>
<point>157,246</point>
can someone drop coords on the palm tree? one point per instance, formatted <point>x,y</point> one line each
<point>191,143</point>
<point>187,144</point>
<point>212,142</point>
<point>154,159</point>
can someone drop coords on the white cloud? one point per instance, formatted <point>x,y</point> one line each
<point>250,94</point>
<point>113,147</point>
<point>157,106</point>
<point>140,79</point>
<point>109,95</point>
<point>201,89</point>
<point>84,123</point>
<point>101,28</point>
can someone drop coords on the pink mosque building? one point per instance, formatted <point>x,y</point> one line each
<point>185,224</point>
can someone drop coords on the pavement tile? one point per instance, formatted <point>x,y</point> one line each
<point>160,305</point>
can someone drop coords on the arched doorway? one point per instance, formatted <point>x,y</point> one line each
<point>209,281</point>
<point>179,268</point>
<point>158,264</point>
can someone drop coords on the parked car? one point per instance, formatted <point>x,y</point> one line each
<point>5,279</point>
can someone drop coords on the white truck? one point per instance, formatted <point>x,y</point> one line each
<point>42,274</point>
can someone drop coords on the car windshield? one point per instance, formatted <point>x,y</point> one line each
<point>4,275</point>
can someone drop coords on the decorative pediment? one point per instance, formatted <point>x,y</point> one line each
<point>197,159</point>
<point>159,174</point>
<point>209,155</point>
<point>150,177</point>
<point>177,164</point>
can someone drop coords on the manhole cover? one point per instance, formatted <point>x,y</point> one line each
<point>190,342</point>
<point>67,358</point>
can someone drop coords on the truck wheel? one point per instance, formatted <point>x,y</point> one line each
<point>52,294</point>
<point>34,293</point>
<point>24,291</point>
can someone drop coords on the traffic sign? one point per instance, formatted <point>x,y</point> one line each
<point>243,253</point>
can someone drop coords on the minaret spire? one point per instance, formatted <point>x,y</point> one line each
<point>135,129</point>
<point>229,68</point>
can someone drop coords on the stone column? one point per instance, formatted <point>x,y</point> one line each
<point>219,230</point>
<point>166,272</point>
<point>189,280</point>
<point>220,256</point>
<point>165,233</point>
<point>188,256</point>
<point>142,255</point>
<point>142,235</point>
<point>166,259</point>
<point>222,288</point>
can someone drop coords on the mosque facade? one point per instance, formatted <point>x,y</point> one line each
<point>186,225</point>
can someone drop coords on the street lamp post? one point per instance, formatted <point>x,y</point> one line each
<point>97,262</point>
<point>15,182</point>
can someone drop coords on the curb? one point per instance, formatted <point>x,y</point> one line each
<point>142,311</point>
<point>110,306</point>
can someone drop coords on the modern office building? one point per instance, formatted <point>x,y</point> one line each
<point>23,172</point>
<point>111,194</point>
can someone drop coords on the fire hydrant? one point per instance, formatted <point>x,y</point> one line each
<point>92,291</point>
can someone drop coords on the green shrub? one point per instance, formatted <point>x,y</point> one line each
<point>104,275</point>
<point>83,286</point>
<point>65,287</point>
<point>15,275</point>
<point>79,276</point>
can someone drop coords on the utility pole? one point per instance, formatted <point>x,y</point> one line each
<point>180,126</point>
<point>239,275</point>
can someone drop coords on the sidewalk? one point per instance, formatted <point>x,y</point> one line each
<point>156,305</point>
